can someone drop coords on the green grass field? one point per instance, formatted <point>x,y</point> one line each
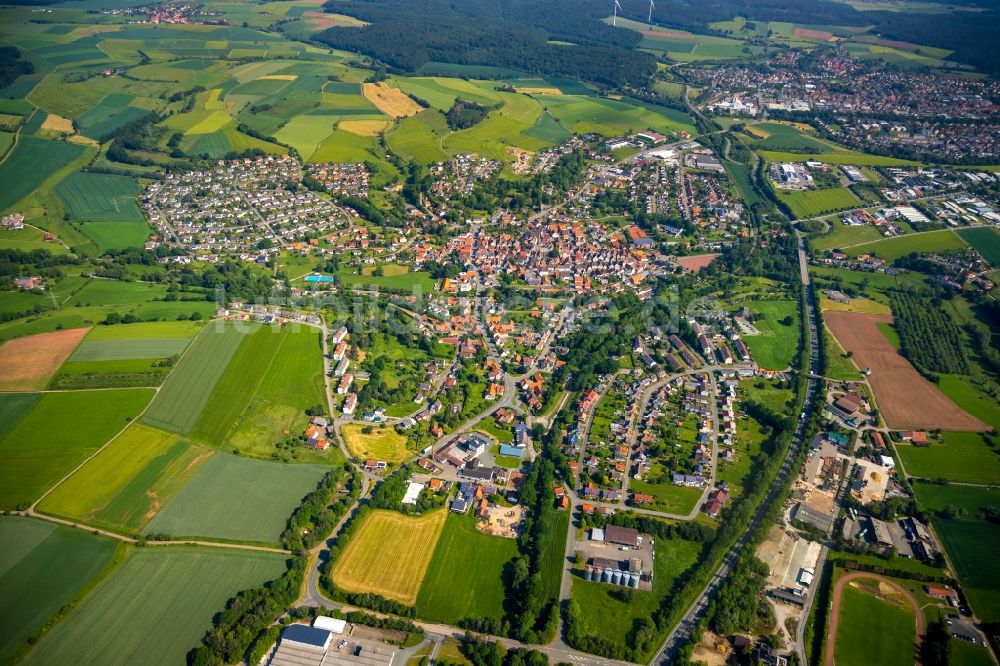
<point>237,499</point>
<point>842,235</point>
<point>30,163</point>
<point>891,249</point>
<point>969,397</point>
<point>98,196</point>
<point>964,457</point>
<point>811,203</point>
<point>551,567</point>
<point>180,402</point>
<point>42,568</point>
<point>777,343</point>
<point>114,292</point>
<point>409,282</point>
<point>419,138</point>
<point>112,350</point>
<point>272,379</point>
<point>970,547</point>
<point>116,235</point>
<point>57,434</point>
<point>147,330</point>
<point>873,631</point>
<point>146,611</point>
<point>602,614</point>
<point>13,407</point>
<point>986,241</point>
<point>465,576</point>
<point>125,485</point>
<point>836,157</point>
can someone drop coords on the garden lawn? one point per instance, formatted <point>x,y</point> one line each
<point>57,434</point>
<point>125,485</point>
<point>237,499</point>
<point>42,568</point>
<point>963,457</point>
<point>874,631</point>
<point>155,607</point>
<point>465,576</point>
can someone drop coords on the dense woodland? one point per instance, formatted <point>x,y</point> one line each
<point>11,66</point>
<point>515,35</point>
<point>407,34</point>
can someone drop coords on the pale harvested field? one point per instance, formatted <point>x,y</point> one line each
<point>528,90</point>
<point>278,77</point>
<point>29,363</point>
<point>390,101</point>
<point>389,555</point>
<point>906,400</point>
<point>856,305</point>
<point>54,123</point>
<point>364,127</point>
<point>695,263</point>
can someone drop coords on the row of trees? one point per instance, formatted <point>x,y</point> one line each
<point>318,513</point>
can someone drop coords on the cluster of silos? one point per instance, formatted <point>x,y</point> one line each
<point>611,576</point>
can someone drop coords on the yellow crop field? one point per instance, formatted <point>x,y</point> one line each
<point>389,554</point>
<point>364,127</point>
<point>539,91</point>
<point>390,101</point>
<point>213,123</point>
<point>757,132</point>
<point>855,305</point>
<point>54,123</point>
<point>278,77</point>
<point>381,443</point>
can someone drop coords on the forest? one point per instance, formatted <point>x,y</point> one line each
<point>515,35</point>
<point>407,34</point>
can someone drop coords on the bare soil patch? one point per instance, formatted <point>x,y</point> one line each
<point>906,399</point>
<point>695,263</point>
<point>814,34</point>
<point>28,363</point>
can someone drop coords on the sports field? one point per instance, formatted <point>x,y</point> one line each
<point>270,382</point>
<point>873,630</point>
<point>465,577</point>
<point>43,566</point>
<point>777,343</point>
<point>389,554</point>
<point>125,485</point>
<point>155,607</point>
<point>57,434</point>
<point>382,443</point>
<point>180,402</point>
<point>236,498</point>
<point>986,241</point>
<point>811,203</point>
<point>29,363</point>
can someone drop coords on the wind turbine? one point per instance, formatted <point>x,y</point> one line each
<point>614,21</point>
<point>651,8</point>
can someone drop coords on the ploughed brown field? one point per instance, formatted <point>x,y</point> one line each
<point>696,262</point>
<point>905,398</point>
<point>29,363</point>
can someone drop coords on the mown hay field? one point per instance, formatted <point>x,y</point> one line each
<point>389,554</point>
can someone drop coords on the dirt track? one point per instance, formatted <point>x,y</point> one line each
<point>905,398</point>
<point>838,592</point>
<point>28,363</point>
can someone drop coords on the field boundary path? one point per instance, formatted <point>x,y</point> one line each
<point>838,592</point>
